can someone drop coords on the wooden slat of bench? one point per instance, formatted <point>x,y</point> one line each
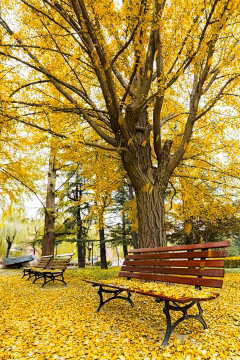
<point>155,295</point>
<point>211,245</point>
<point>40,265</point>
<point>181,255</point>
<point>179,271</point>
<point>175,279</point>
<point>69,256</point>
<point>45,259</point>
<point>180,263</point>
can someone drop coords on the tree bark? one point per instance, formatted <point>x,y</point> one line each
<point>125,249</point>
<point>102,250</point>
<point>134,233</point>
<point>9,244</point>
<point>149,183</point>
<point>118,256</point>
<point>151,222</point>
<point>81,247</point>
<point>49,236</point>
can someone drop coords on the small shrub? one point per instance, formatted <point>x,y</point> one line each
<point>16,253</point>
<point>232,262</point>
<point>98,263</point>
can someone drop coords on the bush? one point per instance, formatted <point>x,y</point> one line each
<point>232,262</point>
<point>16,253</point>
<point>98,263</point>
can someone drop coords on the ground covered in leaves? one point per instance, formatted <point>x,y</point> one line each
<point>59,322</point>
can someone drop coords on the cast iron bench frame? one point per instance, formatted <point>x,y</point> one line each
<point>43,263</point>
<point>58,267</point>
<point>191,264</point>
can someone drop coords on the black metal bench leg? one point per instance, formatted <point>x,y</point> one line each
<point>183,309</point>
<point>169,324</point>
<point>63,279</point>
<point>29,276</point>
<point>45,280</point>
<point>199,316</point>
<point>101,303</point>
<point>36,277</point>
<point>115,296</point>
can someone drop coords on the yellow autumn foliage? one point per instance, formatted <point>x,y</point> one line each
<point>59,322</point>
<point>177,292</point>
<point>187,228</point>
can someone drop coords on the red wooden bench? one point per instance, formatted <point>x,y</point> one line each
<point>196,264</point>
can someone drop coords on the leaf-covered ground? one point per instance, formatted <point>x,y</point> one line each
<point>59,322</point>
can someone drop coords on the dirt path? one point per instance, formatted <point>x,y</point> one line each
<point>10,272</point>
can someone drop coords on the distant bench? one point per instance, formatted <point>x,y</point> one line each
<point>50,269</point>
<point>42,264</point>
<point>196,264</point>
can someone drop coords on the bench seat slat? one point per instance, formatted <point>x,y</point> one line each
<point>180,263</point>
<point>178,271</point>
<point>153,294</point>
<point>217,244</point>
<point>175,279</point>
<point>181,255</point>
<point>41,265</point>
<point>59,263</point>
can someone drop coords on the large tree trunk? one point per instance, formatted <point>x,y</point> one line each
<point>151,213</point>
<point>133,233</point>
<point>149,184</point>
<point>49,236</point>
<point>151,222</point>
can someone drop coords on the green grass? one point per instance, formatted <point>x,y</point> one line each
<point>235,271</point>
<point>94,272</point>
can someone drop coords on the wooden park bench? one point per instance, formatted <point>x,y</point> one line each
<point>196,264</point>
<point>42,264</point>
<point>54,271</point>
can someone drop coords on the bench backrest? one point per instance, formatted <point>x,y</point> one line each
<point>196,264</point>
<point>44,261</point>
<point>61,261</point>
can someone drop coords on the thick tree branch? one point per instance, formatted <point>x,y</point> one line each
<point>21,182</point>
<point>118,149</point>
<point>160,74</point>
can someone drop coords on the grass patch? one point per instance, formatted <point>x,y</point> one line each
<point>94,273</point>
<point>232,271</point>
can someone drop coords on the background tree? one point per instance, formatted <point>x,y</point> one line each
<point>15,233</point>
<point>206,231</point>
<point>73,202</point>
<point>122,234</point>
<point>10,242</point>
